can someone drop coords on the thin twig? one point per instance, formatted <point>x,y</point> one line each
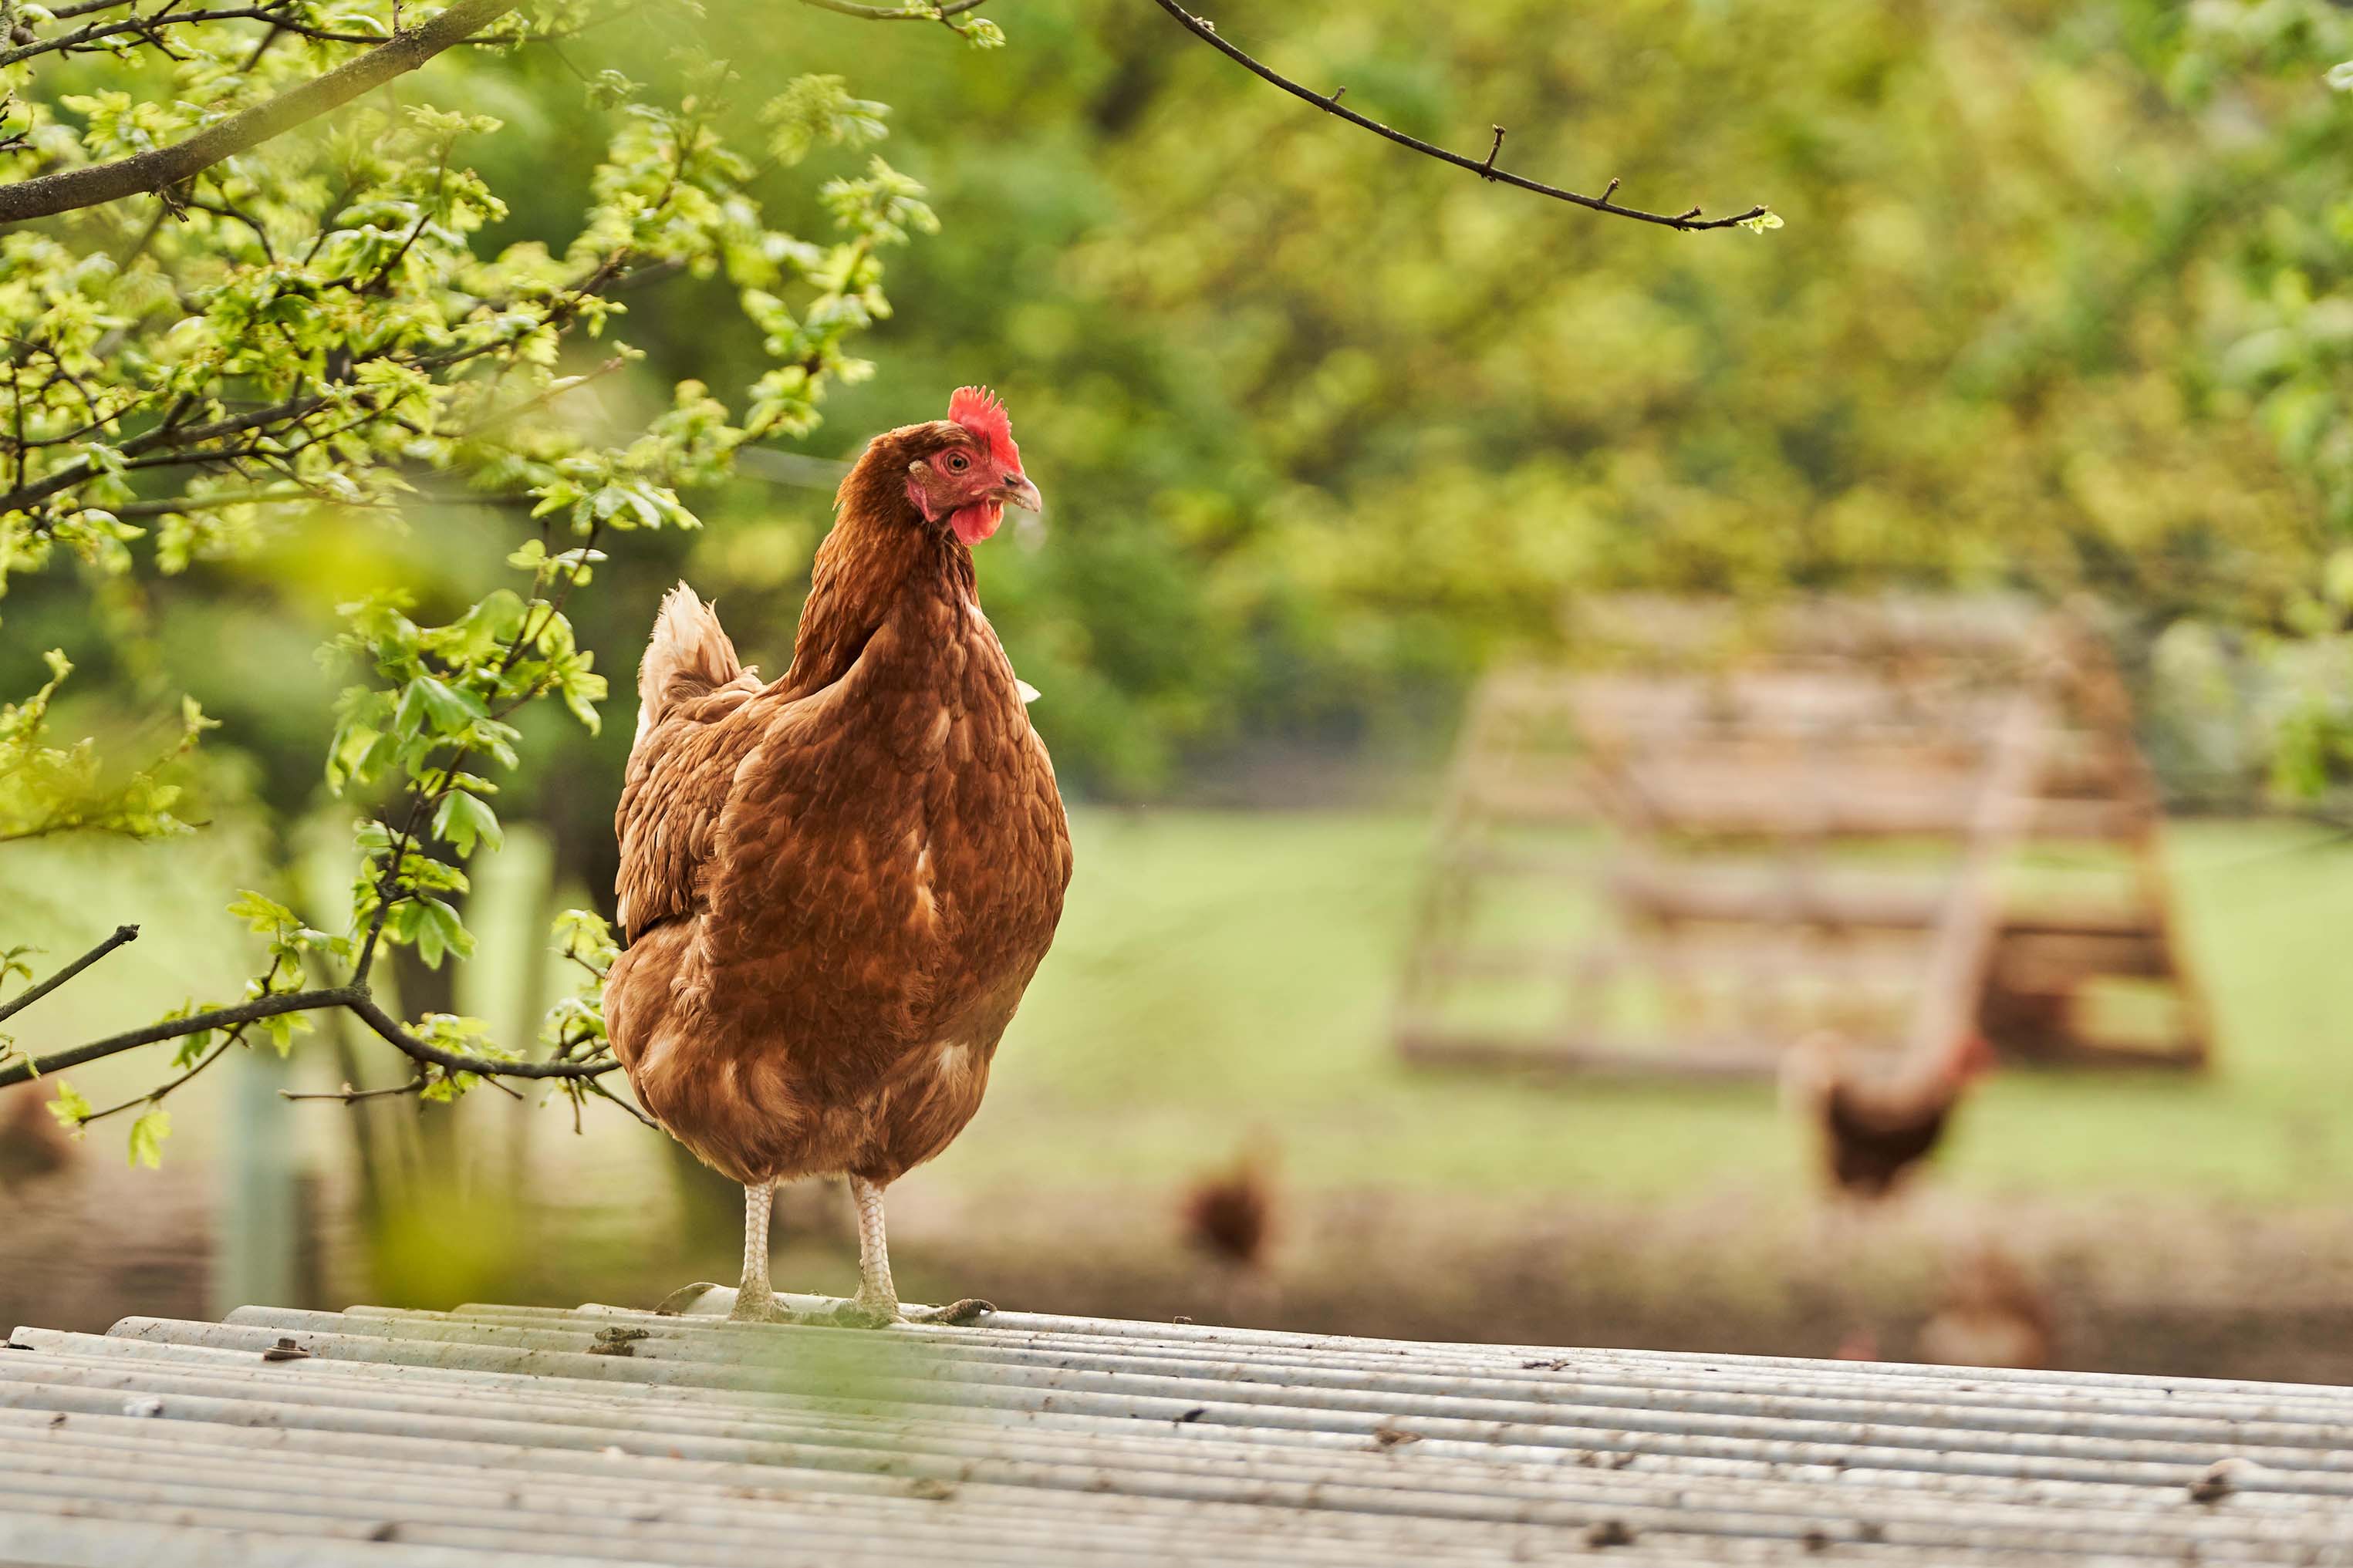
<point>351,1096</point>
<point>122,934</point>
<point>508,1089</point>
<point>155,1096</point>
<point>1330,104</point>
<point>593,1086</point>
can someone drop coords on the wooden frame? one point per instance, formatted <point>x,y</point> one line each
<point>1814,818</point>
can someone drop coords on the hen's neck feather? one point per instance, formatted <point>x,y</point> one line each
<point>879,549</point>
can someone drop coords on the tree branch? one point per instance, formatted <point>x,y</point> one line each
<point>1485,169</point>
<point>354,998</point>
<point>362,1007</point>
<point>69,189</point>
<point>122,934</point>
<point>173,1029</point>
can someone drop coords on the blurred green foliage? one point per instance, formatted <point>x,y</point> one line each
<point>1322,425</point>
<point>2276,80</point>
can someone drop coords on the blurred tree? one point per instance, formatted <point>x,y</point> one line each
<point>2270,88</point>
<point>1323,429</point>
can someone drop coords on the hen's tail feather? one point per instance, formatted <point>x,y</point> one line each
<point>688,657</point>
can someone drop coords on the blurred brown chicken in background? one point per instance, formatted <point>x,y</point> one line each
<point>1872,1133</point>
<point>1230,1215</point>
<point>1992,1314</point>
<point>1233,1216</point>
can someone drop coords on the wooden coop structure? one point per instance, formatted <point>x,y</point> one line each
<point>1897,819</point>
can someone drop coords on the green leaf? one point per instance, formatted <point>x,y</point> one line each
<point>438,930</point>
<point>191,1047</point>
<point>69,1107</point>
<point>462,819</point>
<point>481,630</point>
<point>261,913</point>
<point>449,709</point>
<point>147,1135</point>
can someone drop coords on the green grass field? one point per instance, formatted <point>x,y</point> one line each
<point>1225,977</point>
<point>1219,976</point>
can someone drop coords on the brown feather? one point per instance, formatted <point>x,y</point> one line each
<point>836,887</point>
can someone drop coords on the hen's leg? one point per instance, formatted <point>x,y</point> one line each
<point>878,1298</point>
<point>755,1301</point>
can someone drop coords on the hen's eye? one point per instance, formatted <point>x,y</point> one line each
<point>958,462</point>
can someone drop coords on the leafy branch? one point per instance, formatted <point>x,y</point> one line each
<point>48,789</point>
<point>317,332</point>
<point>276,1008</point>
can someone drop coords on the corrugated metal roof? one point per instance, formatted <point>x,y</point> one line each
<point>531,1438</point>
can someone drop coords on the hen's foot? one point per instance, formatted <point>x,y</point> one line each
<point>761,1308</point>
<point>971,1309</point>
<point>865,1314</point>
<point>880,1312</point>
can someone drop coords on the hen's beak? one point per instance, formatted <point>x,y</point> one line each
<point>1017,490</point>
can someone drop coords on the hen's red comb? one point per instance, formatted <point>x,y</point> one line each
<point>977,409</point>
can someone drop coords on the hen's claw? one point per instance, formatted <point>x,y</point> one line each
<point>676,1303</point>
<point>867,1312</point>
<point>971,1309</point>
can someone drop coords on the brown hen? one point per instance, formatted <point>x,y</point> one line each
<point>1992,1314</point>
<point>1230,1215</point>
<point>835,886</point>
<point>1873,1133</point>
